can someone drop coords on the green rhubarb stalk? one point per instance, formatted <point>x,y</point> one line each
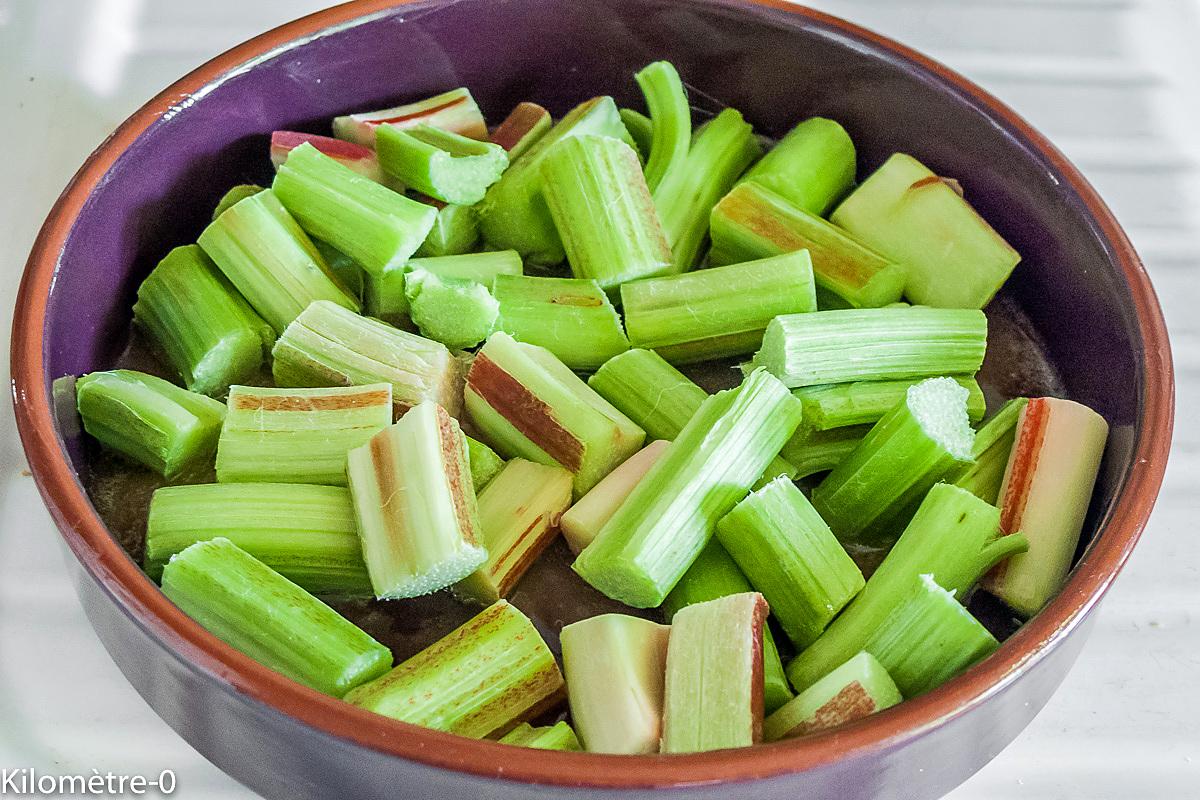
<point>521,129</point>
<point>753,222</point>
<point>150,421</point>
<point>385,294</point>
<point>306,533</point>
<point>455,110</point>
<point>525,402</point>
<point>518,517</point>
<point>670,119</point>
<point>720,151</point>
<point>343,268</point>
<point>716,313</point>
<point>370,223</point>
<point>570,317</point>
<point>873,344</point>
<point>658,397</point>
<point>455,231</point>
<point>479,681</point>
<point>904,211</point>
<point>444,165</point>
<point>459,314</point>
<point>856,689</point>
<point>583,521</point>
<point>234,196</point>
<point>812,451</point>
<point>298,435</point>
<point>811,167</point>
<point>911,447</point>
<point>865,402</point>
<point>261,613</point>
<point>928,638</point>
<point>615,666</point>
<point>272,262</point>
<point>993,443</point>
<point>485,464</point>
<point>712,698</point>
<point>954,536</point>
<point>715,574</point>
<point>415,503</point>
<point>208,333</point>
<point>645,548</point>
<point>602,209</point>
<point>790,555</point>
<point>558,736</point>
<point>330,346</point>
<point>1047,487</point>
<point>641,130</point>
<point>514,215</point>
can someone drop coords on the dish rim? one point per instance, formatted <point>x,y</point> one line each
<point>140,598</point>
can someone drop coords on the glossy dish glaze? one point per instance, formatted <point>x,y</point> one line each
<point>152,185</point>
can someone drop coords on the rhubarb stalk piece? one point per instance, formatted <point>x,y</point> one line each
<point>811,451</point>
<point>993,445</point>
<point>330,346</point>
<point>455,110</point>
<point>719,312</point>
<point>513,215</point>
<point>643,550</point>
<point>753,222</point>
<point>269,259</point>
<point>953,257</point>
<point>1047,486</point>
<point>306,533</point>
<point>570,317</point>
<point>416,507</point>
<point>444,165</point>
<point>298,435</point>
<point>602,209</point>
<point>385,295</point>
<point>954,536</point>
<point>912,447</point>
<point>479,681</point>
<point>349,154</point>
<point>150,421</point>
<point>521,129</point>
<point>558,736</point>
<point>873,344</point>
<point>928,638</point>
<point>459,314</point>
<point>712,575</point>
<point>518,517</point>
<point>261,613</point>
<point>856,689</point>
<point>641,130</point>
<point>812,167</point>
<point>527,403</point>
<point>208,333</point>
<point>373,225</point>
<point>865,402</point>
<point>235,195</point>
<point>485,464</point>
<point>789,554</point>
<point>713,689</point>
<point>583,521</point>
<point>670,120</point>
<point>721,150</point>
<point>615,666</point>
<point>455,231</point>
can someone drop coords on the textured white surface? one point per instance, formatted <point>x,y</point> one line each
<point>1113,82</point>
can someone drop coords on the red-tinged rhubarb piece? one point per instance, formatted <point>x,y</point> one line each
<point>615,666</point>
<point>454,111</point>
<point>856,689</point>
<point>713,697</point>
<point>584,520</point>
<point>521,128</point>
<point>1047,486</point>
<point>355,156</point>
